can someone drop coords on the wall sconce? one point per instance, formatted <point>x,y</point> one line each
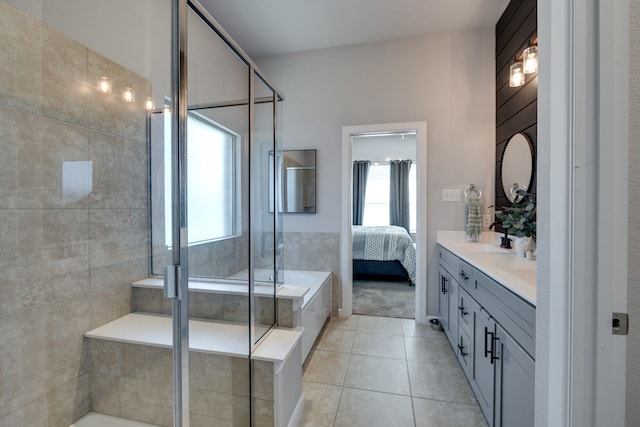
<point>148,105</point>
<point>104,85</point>
<point>128,95</point>
<point>530,59</point>
<point>516,74</point>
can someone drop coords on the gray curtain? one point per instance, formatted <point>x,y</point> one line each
<point>399,193</point>
<point>360,173</point>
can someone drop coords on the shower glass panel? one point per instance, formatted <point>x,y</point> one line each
<point>264,220</point>
<point>76,81</point>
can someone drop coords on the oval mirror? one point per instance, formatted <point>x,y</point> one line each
<point>516,167</point>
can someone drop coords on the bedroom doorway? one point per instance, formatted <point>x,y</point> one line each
<point>395,287</point>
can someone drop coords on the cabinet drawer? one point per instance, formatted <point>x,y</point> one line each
<point>515,315</point>
<point>449,261</point>
<point>466,307</point>
<point>465,276</point>
<point>465,352</point>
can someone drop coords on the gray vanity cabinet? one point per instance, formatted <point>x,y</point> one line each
<point>493,336</point>
<point>448,305</point>
<point>515,379</point>
<point>484,360</point>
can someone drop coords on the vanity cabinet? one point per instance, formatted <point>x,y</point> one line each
<point>448,304</point>
<point>493,337</point>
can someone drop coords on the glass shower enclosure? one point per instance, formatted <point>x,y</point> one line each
<point>137,139</point>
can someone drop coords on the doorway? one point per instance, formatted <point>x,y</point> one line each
<point>420,235</point>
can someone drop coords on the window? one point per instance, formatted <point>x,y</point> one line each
<point>376,204</point>
<point>212,180</point>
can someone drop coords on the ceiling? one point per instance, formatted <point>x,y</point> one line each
<point>270,27</point>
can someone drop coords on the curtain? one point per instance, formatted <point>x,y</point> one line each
<point>360,173</point>
<point>399,193</point>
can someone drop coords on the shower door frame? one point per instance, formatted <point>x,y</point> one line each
<point>177,275</point>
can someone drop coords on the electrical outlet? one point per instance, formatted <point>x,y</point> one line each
<point>486,220</point>
<point>451,195</point>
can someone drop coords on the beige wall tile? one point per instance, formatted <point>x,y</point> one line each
<point>147,363</point>
<point>119,172</point>
<point>35,414</point>
<point>119,245</point>
<point>20,50</point>
<point>21,176</point>
<point>64,77</point>
<point>109,303</point>
<point>262,374</point>
<point>262,413</point>
<point>107,112</point>
<point>105,393</point>
<point>24,358</point>
<point>67,320</point>
<point>69,402</point>
<point>209,372</point>
<point>105,357</point>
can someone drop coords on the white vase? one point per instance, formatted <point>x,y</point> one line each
<point>524,244</point>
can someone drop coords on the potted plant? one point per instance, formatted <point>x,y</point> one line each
<point>519,220</point>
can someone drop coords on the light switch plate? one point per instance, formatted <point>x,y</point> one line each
<point>451,195</point>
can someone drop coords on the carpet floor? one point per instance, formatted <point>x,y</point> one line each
<point>384,298</point>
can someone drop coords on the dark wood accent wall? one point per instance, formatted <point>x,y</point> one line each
<point>516,107</point>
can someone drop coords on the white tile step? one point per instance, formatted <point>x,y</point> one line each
<point>93,419</point>
<point>228,339</point>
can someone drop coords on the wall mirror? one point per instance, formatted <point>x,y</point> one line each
<point>298,181</point>
<point>516,168</point>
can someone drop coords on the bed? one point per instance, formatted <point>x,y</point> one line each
<point>383,252</point>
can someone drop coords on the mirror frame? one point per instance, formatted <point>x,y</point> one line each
<point>533,166</point>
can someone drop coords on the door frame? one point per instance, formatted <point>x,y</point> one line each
<point>346,266</point>
<point>582,256</point>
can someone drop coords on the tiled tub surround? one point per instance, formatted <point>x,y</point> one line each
<point>315,252</point>
<point>67,258</point>
<point>130,363</point>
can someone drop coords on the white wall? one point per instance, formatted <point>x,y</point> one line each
<point>447,80</point>
<point>633,292</point>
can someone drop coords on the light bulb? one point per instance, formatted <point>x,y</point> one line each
<point>516,75</point>
<point>128,95</point>
<point>148,105</point>
<point>104,85</point>
<point>530,60</point>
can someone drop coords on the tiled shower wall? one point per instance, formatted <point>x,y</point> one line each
<point>68,253</point>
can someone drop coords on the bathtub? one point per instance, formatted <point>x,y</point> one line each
<point>304,297</point>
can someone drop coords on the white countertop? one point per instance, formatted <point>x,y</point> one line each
<point>502,265</point>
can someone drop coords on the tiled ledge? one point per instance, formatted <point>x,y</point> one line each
<point>219,338</point>
<point>93,419</point>
<point>230,287</point>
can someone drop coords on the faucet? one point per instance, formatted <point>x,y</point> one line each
<point>505,241</point>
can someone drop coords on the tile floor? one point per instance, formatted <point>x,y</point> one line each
<point>378,371</point>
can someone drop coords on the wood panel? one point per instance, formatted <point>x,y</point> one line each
<point>516,108</point>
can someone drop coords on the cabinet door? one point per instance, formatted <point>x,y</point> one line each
<point>443,277</point>
<point>453,311</point>
<point>484,362</point>
<point>515,382</point>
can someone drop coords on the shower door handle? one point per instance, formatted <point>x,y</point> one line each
<point>171,281</point>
